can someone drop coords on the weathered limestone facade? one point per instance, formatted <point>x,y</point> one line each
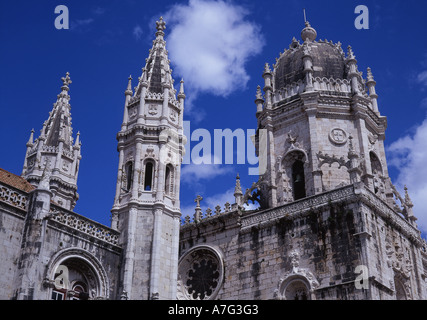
<point>309,248</point>
<point>328,214</point>
<point>330,224</point>
<point>39,238</point>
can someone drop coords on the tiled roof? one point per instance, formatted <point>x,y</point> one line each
<point>15,181</point>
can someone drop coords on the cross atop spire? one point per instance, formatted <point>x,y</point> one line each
<point>66,81</point>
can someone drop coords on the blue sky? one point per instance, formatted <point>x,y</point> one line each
<point>109,40</point>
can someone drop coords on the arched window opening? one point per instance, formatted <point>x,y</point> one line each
<point>296,290</point>
<point>72,281</point>
<point>148,179</point>
<point>129,175</point>
<point>168,179</point>
<point>298,180</point>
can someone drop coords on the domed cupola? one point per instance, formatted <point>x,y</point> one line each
<point>328,60</point>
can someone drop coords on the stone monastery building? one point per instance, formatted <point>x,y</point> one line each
<point>330,224</point>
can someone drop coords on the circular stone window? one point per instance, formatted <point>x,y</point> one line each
<point>200,274</point>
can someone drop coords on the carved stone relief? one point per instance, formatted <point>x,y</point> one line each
<point>152,109</point>
<point>338,136</point>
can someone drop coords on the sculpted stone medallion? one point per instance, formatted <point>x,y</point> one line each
<point>338,136</point>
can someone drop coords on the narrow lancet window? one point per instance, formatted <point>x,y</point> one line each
<point>298,180</point>
<point>129,175</point>
<point>148,180</point>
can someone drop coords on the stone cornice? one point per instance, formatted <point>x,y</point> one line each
<point>295,209</point>
<point>351,193</point>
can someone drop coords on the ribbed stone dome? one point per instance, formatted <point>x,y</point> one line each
<point>328,60</point>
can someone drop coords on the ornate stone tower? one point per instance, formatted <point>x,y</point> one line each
<point>55,149</point>
<point>146,207</point>
<point>321,124</point>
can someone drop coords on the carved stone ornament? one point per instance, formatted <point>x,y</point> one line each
<point>372,138</point>
<point>173,115</point>
<point>132,112</point>
<point>297,284</point>
<point>150,152</point>
<point>152,109</point>
<point>338,136</point>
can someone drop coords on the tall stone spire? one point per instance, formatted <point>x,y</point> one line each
<point>55,146</point>
<point>146,207</point>
<point>157,67</point>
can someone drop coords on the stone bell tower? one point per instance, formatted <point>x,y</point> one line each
<point>146,207</point>
<point>55,148</point>
<point>321,123</point>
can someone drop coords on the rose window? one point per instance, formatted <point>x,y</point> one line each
<point>202,278</point>
<point>200,274</point>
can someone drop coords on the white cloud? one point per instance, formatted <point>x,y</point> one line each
<point>422,78</point>
<point>209,43</point>
<point>409,155</point>
<point>81,24</point>
<point>99,10</point>
<point>137,32</point>
<point>219,199</point>
<point>193,173</point>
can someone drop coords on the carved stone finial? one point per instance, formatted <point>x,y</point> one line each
<point>308,33</point>
<point>208,212</point>
<point>350,54</point>
<point>66,81</point>
<point>129,87</point>
<point>77,143</point>
<point>31,139</point>
<point>187,219</point>
<point>238,194</point>
<point>369,76</point>
<point>45,179</point>
<point>227,206</point>
<point>408,200</point>
<point>267,68</point>
<point>197,200</point>
<point>198,210</point>
<point>160,25</point>
<point>258,93</point>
